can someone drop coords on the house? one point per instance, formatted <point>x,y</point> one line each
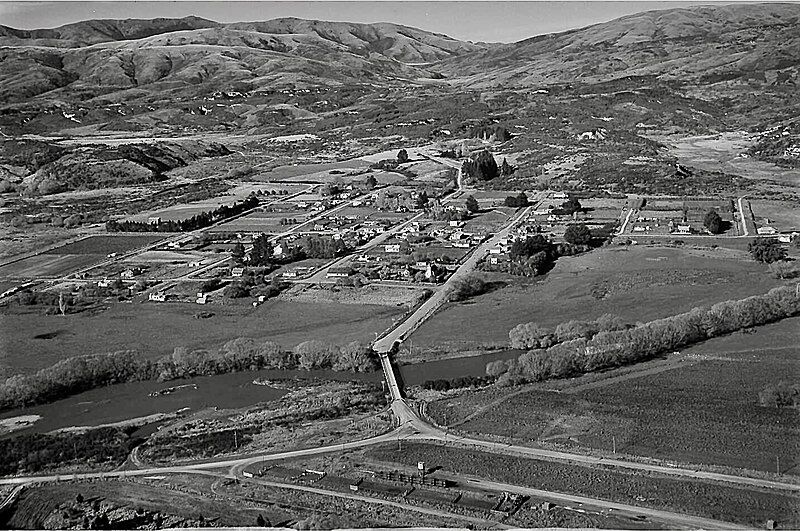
<point>158,296</point>
<point>683,229</point>
<point>392,248</point>
<point>237,271</point>
<point>104,283</point>
<point>202,299</point>
<point>787,238</point>
<point>154,220</point>
<point>766,231</point>
<point>455,223</point>
<point>130,273</point>
<point>289,274</point>
<point>559,195</point>
<point>339,272</point>
<point>277,250</point>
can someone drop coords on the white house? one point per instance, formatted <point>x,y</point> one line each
<point>158,296</point>
<point>392,248</point>
<point>766,231</point>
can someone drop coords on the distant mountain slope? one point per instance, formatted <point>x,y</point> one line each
<point>103,56</point>
<point>95,31</point>
<point>750,41</point>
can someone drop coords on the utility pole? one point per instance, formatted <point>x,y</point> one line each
<point>614,444</point>
<point>777,464</point>
<point>235,440</point>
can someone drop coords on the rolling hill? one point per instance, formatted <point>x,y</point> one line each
<point>749,42</point>
<point>98,57</point>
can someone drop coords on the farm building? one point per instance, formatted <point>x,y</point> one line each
<point>339,272</point>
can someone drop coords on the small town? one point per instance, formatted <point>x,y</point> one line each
<point>297,272</point>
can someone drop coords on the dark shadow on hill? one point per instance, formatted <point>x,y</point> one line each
<point>49,335</point>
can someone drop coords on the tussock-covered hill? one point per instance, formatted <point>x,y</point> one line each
<point>97,57</point>
<point>759,42</point>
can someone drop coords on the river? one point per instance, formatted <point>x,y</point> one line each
<point>121,402</point>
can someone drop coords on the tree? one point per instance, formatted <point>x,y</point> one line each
<point>571,205</point>
<point>713,222</point>
<point>472,204</point>
<point>505,168</point>
<point>766,250</point>
<point>260,521</point>
<point>402,156</point>
<point>469,286</point>
<point>238,253</point>
<point>520,200</point>
<point>482,167</point>
<point>370,182</point>
<point>783,270</point>
<point>578,234</point>
<point>62,303</point>
<point>422,200</point>
<point>530,246</point>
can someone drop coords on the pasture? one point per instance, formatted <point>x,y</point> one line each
<point>636,283</point>
<point>702,407</point>
<point>49,265</point>
<point>31,341</point>
<point>106,244</point>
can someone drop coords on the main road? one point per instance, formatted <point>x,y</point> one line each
<point>399,333</point>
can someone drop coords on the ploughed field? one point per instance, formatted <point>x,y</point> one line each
<point>635,283</point>
<point>29,342</point>
<point>702,408</point>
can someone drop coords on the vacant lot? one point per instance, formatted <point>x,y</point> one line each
<point>635,283</point>
<point>703,409</point>
<point>694,497</point>
<point>155,329</point>
<point>369,294</point>
<point>782,215</point>
<point>106,244</point>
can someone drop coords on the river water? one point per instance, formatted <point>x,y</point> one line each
<point>120,402</point>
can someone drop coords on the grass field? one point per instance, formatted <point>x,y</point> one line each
<point>782,215</point>
<point>694,497</point>
<point>49,265</point>
<point>636,283</point>
<point>106,244</point>
<point>261,222</point>
<point>283,173</point>
<point>703,409</point>
<point>156,329</point>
